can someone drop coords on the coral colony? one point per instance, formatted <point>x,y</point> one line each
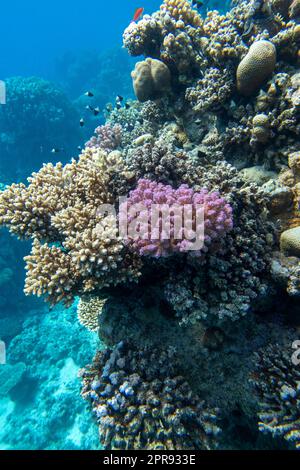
<point>195,357</point>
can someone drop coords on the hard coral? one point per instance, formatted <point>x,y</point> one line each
<point>89,309</point>
<point>61,207</point>
<point>277,383</point>
<point>141,401</point>
<point>151,79</point>
<point>256,67</point>
<point>197,235</point>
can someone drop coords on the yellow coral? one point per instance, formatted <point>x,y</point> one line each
<point>88,311</point>
<point>181,10</point>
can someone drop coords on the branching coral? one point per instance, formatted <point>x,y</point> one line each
<point>88,311</point>
<point>277,383</point>
<point>63,205</point>
<point>107,137</point>
<point>194,221</point>
<point>141,402</point>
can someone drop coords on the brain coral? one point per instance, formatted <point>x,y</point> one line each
<point>141,401</point>
<point>151,78</point>
<point>290,241</point>
<point>256,67</point>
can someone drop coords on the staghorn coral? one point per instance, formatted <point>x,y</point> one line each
<point>88,311</point>
<point>141,402</point>
<point>207,219</point>
<point>277,383</point>
<point>256,67</point>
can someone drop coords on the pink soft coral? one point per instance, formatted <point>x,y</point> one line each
<point>138,211</point>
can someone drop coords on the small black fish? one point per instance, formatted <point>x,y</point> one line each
<point>81,122</point>
<point>90,108</point>
<point>118,106</point>
<point>55,150</point>
<point>108,108</point>
<point>89,94</point>
<point>96,111</point>
<point>79,148</point>
<point>127,105</point>
<point>197,3</point>
<point>119,98</point>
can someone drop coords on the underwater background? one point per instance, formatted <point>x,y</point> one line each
<point>52,56</point>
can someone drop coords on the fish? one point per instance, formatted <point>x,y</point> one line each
<point>56,150</point>
<point>127,105</point>
<point>119,98</point>
<point>197,3</point>
<point>89,94</point>
<point>96,111</point>
<point>81,122</point>
<point>118,106</point>
<point>137,14</point>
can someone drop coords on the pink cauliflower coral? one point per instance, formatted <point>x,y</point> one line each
<point>159,220</point>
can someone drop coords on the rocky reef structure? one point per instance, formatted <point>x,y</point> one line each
<point>215,124</point>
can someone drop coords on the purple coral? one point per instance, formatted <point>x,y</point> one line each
<point>107,137</point>
<point>161,220</point>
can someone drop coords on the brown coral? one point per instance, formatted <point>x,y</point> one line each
<point>256,67</point>
<point>151,79</point>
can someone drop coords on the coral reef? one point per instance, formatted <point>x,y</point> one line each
<point>40,380</point>
<point>37,118</point>
<point>141,402</point>
<point>277,383</point>
<point>215,126</point>
<point>107,137</point>
<point>61,206</point>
